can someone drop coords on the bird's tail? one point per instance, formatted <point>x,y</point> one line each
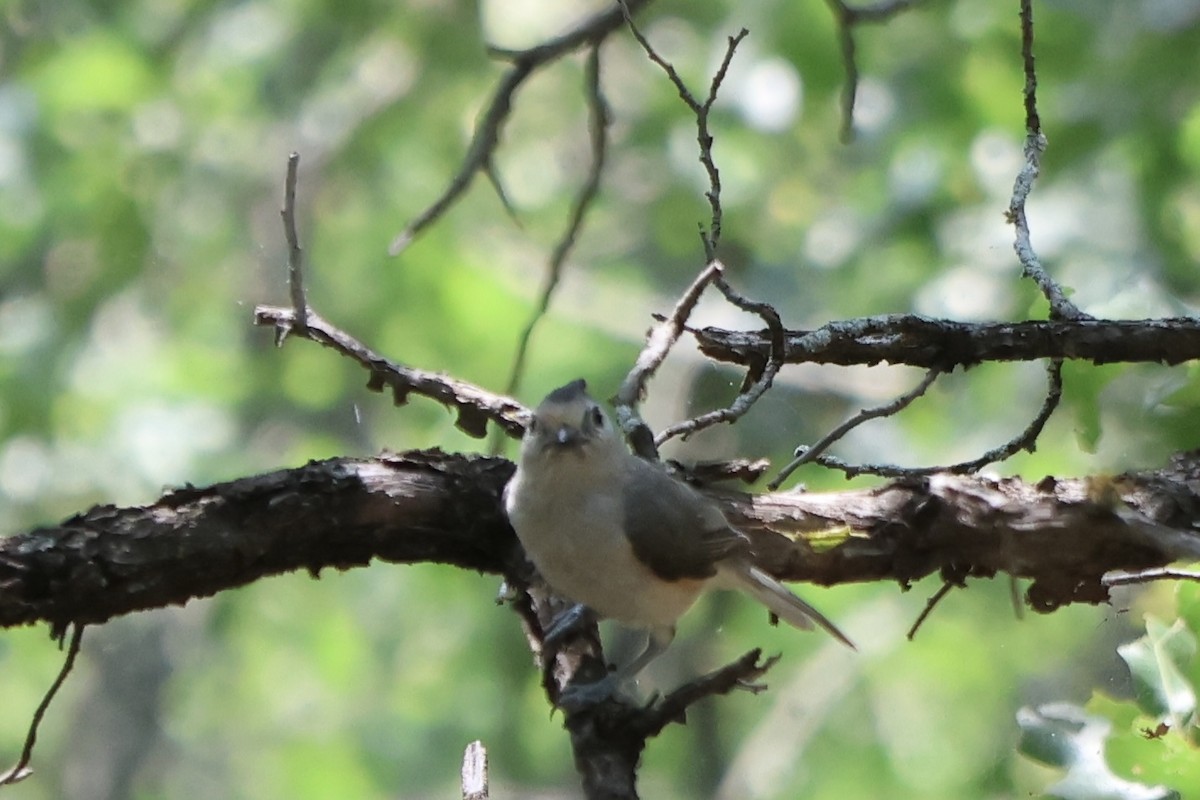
<point>775,596</point>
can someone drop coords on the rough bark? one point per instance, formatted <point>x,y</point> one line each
<point>433,506</point>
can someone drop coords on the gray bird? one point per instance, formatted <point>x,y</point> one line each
<point>618,534</point>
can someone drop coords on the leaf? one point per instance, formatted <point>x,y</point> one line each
<point>1064,735</point>
<point>1157,663</point>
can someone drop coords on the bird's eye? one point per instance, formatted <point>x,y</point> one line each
<point>597,417</point>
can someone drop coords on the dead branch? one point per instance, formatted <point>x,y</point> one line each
<point>428,506</point>
<point>919,341</point>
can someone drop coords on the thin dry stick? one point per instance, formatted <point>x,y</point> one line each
<point>1035,145</point>
<point>659,341</point>
<point>1025,440</point>
<point>598,127</point>
<point>475,772</point>
<point>847,18</point>
<point>295,261</point>
<point>22,771</point>
<point>806,454</point>
<point>929,606</point>
<point>473,405</point>
<point>1148,575</point>
<point>701,110</point>
<point>487,132</point>
<point>757,388</point>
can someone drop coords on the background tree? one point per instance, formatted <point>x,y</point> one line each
<point>141,154</point>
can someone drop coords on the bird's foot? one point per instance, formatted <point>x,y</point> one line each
<point>570,621</point>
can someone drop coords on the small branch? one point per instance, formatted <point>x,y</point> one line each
<point>475,772</point>
<point>1061,308</point>
<point>295,262</point>
<point>21,770</point>
<point>659,341</point>
<point>906,339</point>
<point>847,18</point>
<point>598,128</point>
<point>487,132</point>
<point>930,604</point>
<point>474,406</point>
<point>807,454</point>
<point>1121,578</point>
<point>1025,440</point>
<point>758,383</point>
<point>743,673</point>
<point>608,737</point>
<point>713,236</point>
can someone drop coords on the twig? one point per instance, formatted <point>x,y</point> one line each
<point>474,406</point>
<point>740,674</point>
<point>1035,145</point>
<point>659,341</point>
<point>847,18</point>
<point>807,454</point>
<point>1025,440</point>
<point>475,772</point>
<point>295,262</point>
<point>758,380</point>
<point>598,128</point>
<point>487,132</point>
<point>1148,575</point>
<point>942,591</point>
<point>22,771</point>
<point>713,236</point>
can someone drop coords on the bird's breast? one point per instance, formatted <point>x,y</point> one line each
<point>577,542</point>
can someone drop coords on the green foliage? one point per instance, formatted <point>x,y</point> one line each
<point>1143,746</point>
<point>142,149</point>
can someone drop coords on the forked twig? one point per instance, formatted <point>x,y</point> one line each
<point>806,454</point>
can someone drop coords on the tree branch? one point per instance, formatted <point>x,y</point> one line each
<point>944,344</point>
<point>422,506</point>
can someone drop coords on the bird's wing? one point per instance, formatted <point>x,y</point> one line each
<point>673,529</point>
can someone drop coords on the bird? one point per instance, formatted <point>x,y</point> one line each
<point>621,536</point>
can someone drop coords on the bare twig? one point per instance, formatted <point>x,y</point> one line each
<point>21,770</point>
<point>487,131</point>
<point>475,772</point>
<point>1035,145</point>
<point>807,454</point>
<point>659,341</point>
<point>704,137</point>
<point>598,128</point>
<point>757,381</point>
<point>930,604</point>
<point>474,406</point>
<point>1148,575</point>
<point>740,674</point>
<point>295,262</point>
<point>1026,440</point>
<point>847,17</point>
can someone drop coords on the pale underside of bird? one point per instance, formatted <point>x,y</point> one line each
<point>621,536</point>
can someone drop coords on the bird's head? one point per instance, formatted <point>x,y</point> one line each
<point>568,420</point>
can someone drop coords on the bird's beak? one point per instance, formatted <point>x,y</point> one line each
<point>567,436</point>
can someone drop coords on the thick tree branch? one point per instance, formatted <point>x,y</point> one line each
<point>1065,535</point>
<point>944,344</point>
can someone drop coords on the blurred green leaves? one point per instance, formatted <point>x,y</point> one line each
<point>142,149</point>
